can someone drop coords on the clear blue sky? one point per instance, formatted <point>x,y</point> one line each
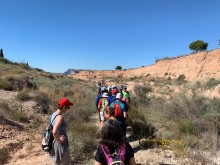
<point>56,35</point>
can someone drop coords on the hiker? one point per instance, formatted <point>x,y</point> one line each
<point>125,94</point>
<point>114,87</point>
<point>112,142</point>
<point>103,102</point>
<point>112,97</point>
<point>99,96</point>
<point>60,152</point>
<point>121,88</point>
<point>125,97</point>
<point>120,112</point>
<point>109,112</point>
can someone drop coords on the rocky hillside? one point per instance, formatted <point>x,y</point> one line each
<point>195,66</point>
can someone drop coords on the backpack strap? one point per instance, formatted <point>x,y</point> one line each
<point>107,155</point>
<point>51,122</point>
<point>120,153</point>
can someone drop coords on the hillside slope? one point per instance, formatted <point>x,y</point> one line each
<point>195,66</point>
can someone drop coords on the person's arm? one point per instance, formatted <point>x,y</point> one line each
<point>58,121</point>
<point>125,114</point>
<point>132,161</point>
<point>97,163</point>
<point>100,103</point>
<point>98,156</point>
<point>97,101</point>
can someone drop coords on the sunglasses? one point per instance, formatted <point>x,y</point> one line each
<point>67,107</point>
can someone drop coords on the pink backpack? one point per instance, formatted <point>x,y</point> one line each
<point>116,158</point>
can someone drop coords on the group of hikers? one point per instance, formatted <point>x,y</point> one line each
<point>111,102</point>
<point>113,106</point>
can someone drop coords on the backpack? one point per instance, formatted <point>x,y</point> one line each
<point>48,138</point>
<point>103,102</point>
<point>118,111</point>
<point>116,158</point>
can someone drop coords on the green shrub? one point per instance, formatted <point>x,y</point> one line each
<point>5,110</point>
<point>43,100</point>
<point>181,79</point>
<point>23,96</point>
<point>5,85</point>
<point>20,116</point>
<point>4,155</point>
<point>82,141</point>
<point>212,82</point>
<point>188,127</point>
<point>133,78</point>
<point>6,61</point>
<point>141,92</point>
<point>195,115</point>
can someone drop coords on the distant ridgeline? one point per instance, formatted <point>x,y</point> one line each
<point>74,71</point>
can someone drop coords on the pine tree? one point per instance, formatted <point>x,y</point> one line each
<point>1,53</point>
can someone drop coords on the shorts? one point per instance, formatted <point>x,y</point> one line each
<point>60,155</point>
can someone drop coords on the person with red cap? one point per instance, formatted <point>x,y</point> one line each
<point>60,152</point>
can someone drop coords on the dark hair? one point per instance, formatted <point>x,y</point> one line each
<point>62,107</point>
<point>110,110</point>
<point>111,133</point>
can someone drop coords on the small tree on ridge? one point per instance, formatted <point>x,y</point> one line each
<point>118,67</point>
<point>198,45</point>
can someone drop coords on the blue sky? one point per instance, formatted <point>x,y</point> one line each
<point>55,35</point>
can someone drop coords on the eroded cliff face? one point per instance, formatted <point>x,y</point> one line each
<point>195,66</point>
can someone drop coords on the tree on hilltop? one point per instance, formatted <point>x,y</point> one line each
<point>198,45</point>
<point>1,53</point>
<point>118,67</point>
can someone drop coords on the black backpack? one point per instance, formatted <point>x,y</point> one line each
<point>47,141</point>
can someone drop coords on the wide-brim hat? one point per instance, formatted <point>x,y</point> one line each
<point>105,94</point>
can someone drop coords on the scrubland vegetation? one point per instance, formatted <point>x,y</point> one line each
<point>169,113</point>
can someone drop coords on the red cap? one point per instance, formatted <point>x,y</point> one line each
<point>64,102</point>
<point>114,91</point>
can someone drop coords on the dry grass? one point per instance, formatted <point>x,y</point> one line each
<point>186,115</point>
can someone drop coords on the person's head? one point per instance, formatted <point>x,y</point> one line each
<point>118,96</point>
<point>109,112</point>
<point>111,133</point>
<point>104,90</point>
<point>125,88</point>
<point>114,92</point>
<point>64,104</point>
